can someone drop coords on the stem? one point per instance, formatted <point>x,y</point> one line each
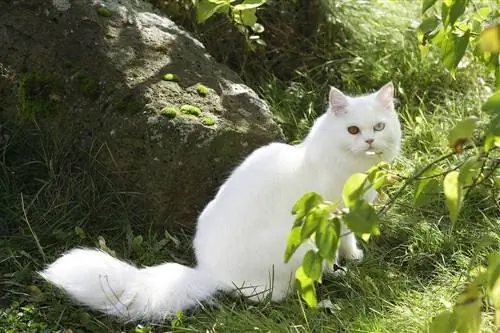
<point>413,178</point>
<point>476,182</point>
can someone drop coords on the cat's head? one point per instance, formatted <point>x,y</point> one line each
<point>365,125</point>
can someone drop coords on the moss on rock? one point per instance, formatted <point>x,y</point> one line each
<point>202,90</point>
<point>191,109</point>
<point>103,11</point>
<point>170,77</point>
<point>169,112</point>
<point>38,95</point>
<point>208,121</point>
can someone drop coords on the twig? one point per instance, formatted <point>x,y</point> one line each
<point>477,182</point>
<point>410,180</point>
<point>476,179</point>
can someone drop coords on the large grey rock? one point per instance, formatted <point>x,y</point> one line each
<point>97,79</point>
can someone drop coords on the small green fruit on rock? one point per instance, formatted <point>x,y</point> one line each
<point>170,77</point>
<point>103,11</point>
<point>202,89</point>
<point>190,109</point>
<point>208,121</point>
<point>169,112</point>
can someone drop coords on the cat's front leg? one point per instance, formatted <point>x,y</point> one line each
<point>348,246</point>
<point>335,269</point>
<point>348,249</point>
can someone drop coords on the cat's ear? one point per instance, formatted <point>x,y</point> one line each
<point>385,95</point>
<point>337,100</point>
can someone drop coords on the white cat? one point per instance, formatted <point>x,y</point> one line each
<point>242,233</point>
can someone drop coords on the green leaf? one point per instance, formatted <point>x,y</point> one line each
<point>354,188</point>
<point>293,242</point>
<point>206,8</point>
<point>493,287</point>
<point>426,4</point>
<point>492,133</point>
<point>327,238</point>
<point>442,323</point>
<point>461,133</point>
<point>481,14</point>
<point>312,265</point>
<point>454,48</point>
<point>453,193</point>
<point>467,311</point>
<point>306,287</point>
<point>377,175</point>
<point>362,219</point>
<point>491,141</point>
<point>494,126</point>
<point>469,171</point>
<point>445,12</point>
<point>451,10</point>
<point>249,4</point>
<point>426,186</point>
<point>426,27</point>
<point>248,18</point>
<point>457,9</point>
<point>312,221</point>
<point>439,37</point>
<point>492,104</point>
<point>305,204</point>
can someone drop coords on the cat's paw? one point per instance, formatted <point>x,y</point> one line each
<point>336,270</point>
<point>354,254</point>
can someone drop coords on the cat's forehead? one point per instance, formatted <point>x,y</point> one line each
<point>366,110</point>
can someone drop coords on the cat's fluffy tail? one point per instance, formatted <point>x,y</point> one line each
<point>98,280</point>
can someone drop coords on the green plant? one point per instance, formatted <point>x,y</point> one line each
<point>457,26</point>
<point>243,15</point>
<point>472,162</point>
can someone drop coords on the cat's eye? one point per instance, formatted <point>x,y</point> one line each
<point>353,130</point>
<point>379,126</point>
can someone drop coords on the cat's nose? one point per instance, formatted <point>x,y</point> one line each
<point>369,141</point>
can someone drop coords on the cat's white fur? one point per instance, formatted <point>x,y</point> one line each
<point>242,233</point>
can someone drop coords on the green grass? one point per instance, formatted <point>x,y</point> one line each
<point>54,197</point>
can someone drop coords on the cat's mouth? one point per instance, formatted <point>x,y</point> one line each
<point>372,152</point>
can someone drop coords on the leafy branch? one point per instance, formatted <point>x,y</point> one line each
<point>242,15</point>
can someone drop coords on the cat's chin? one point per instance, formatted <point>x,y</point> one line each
<point>373,153</point>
